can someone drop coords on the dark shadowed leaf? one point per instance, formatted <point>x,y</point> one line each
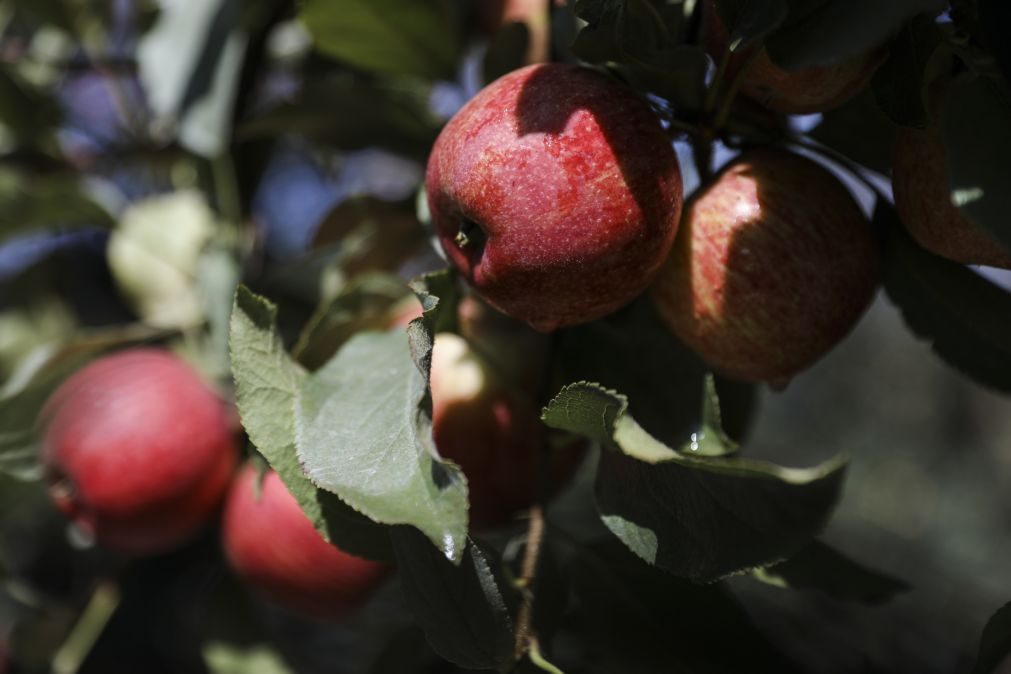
<point>823,32</point>
<point>899,84</point>
<point>351,113</point>
<point>268,385</point>
<point>634,352</point>
<point>632,617</point>
<point>977,115</point>
<point>995,644</point>
<point>748,21</point>
<point>859,130</point>
<point>994,21</point>
<point>506,51</point>
<point>698,517</point>
<point>820,567</point>
<point>363,305</point>
<point>389,37</point>
<point>32,202</point>
<point>27,114</point>
<point>961,314</point>
<point>459,606</point>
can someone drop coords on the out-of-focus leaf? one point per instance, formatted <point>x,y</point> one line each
<point>268,387</point>
<point>961,314</point>
<point>388,37</point>
<point>33,202</point>
<point>225,658</point>
<point>995,644</point>
<point>351,113</point>
<point>154,255</point>
<point>459,606</point>
<point>699,517</point>
<point>898,85</point>
<point>27,114</point>
<point>824,32</point>
<point>189,65</point>
<point>976,118</point>
<point>506,51</point>
<point>820,567</point>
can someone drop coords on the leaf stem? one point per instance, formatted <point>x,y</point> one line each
<point>525,637</point>
<point>71,654</point>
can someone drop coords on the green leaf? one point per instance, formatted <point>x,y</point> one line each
<point>387,37</point>
<point>824,32</point>
<point>749,21</point>
<point>961,314</point>
<point>995,644</point>
<point>820,567</point>
<point>977,145</point>
<point>32,202</point>
<point>899,83</point>
<point>698,517</point>
<point>363,428</point>
<point>506,51</point>
<point>459,606</point>
<point>268,387</point>
<point>363,305</point>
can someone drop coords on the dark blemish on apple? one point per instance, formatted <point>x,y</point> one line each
<point>471,239</point>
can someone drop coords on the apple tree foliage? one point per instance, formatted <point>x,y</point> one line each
<point>626,570</point>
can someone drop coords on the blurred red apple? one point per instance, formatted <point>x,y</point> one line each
<point>923,201</point>
<point>774,265</point>
<point>138,451</point>
<point>274,548</point>
<point>802,91</point>
<point>556,193</point>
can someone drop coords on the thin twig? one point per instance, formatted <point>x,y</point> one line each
<point>528,573</point>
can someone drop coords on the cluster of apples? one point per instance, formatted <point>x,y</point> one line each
<point>557,195</point>
<point>140,454</point>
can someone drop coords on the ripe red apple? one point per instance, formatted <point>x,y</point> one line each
<point>556,193</point>
<point>802,91</point>
<point>923,201</point>
<point>274,548</point>
<point>774,264</point>
<point>138,451</point>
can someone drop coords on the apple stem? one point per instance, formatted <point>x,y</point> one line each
<point>103,603</point>
<point>525,637</point>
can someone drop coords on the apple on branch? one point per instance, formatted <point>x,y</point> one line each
<point>137,450</point>
<point>556,193</point>
<point>774,264</point>
<point>274,548</point>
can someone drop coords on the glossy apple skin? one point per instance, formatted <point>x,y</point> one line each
<point>922,199</point>
<point>775,263</point>
<point>567,187</point>
<point>796,92</point>
<point>138,451</point>
<point>274,548</point>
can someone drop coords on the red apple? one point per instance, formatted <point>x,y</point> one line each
<point>802,91</point>
<point>775,263</point>
<point>923,201</point>
<point>274,548</point>
<point>556,193</point>
<point>138,451</point>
